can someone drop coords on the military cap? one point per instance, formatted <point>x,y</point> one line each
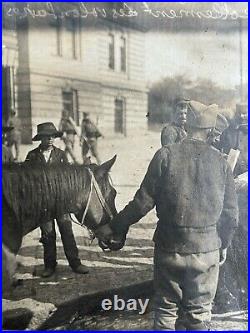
<point>221,123</point>
<point>201,115</point>
<point>182,101</point>
<point>241,108</point>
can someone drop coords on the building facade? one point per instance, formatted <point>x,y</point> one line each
<point>9,70</point>
<point>82,67</point>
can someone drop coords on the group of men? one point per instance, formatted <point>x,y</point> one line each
<point>88,137</point>
<point>192,187</point>
<point>11,138</point>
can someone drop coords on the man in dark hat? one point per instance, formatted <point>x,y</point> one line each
<point>176,131</point>
<point>7,156</point>
<point>89,136</point>
<point>192,187</point>
<point>69,134</point>
<point>46,153</point>
<point>14,136</point>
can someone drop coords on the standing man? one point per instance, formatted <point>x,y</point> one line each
<point>176,131</point>
<point>89,136</point>
<point>45,154</point>
<point>14,136</point>
<point>68,135</point>
<point>192,187</point>
<point>236,137</point>
<point>7,156</point>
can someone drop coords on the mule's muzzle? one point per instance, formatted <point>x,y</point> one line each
<point>107,240</point>
<point>112,245</point>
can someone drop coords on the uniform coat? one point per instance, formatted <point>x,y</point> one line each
<point>192,187</point>
<point>172,134</point>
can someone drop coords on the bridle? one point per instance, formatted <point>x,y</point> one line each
<point>93,186</point>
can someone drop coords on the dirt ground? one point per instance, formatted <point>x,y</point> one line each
<point>107,270</point>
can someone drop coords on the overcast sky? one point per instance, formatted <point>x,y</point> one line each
<point>212,51</point>
<point>206,55</point>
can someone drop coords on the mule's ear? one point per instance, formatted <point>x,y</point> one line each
<point>105,167</point>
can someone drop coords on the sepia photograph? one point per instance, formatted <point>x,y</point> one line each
<point>125,166</point>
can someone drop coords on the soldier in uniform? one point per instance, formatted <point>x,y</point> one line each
<point>7,156</point>
<point>192,187</point>
<point>89,136</point>
<point>69,133</point>
<point>176,131</point>
<point>14,136</point>
<point>46,153</point>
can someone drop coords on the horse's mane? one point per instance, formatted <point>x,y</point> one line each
<point>30,189</point>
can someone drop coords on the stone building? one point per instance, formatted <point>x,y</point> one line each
<point>92,65</point>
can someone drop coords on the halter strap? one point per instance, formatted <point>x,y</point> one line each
<point>93,183</point>
<point>89,198</point>
<point>100,196</point>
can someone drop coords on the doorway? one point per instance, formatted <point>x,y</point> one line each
<point>120,116</point>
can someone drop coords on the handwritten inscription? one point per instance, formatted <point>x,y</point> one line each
<point>218,11</point>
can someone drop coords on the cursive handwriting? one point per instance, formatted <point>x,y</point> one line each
<point>218,11</point>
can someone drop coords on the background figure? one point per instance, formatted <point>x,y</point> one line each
<point>176,131</point>
<point>44,155</point>
<point>236,137</point>
<point>7,156</point>
<point>89,137</point>
<point>68,135</point>
<point>14,136</point>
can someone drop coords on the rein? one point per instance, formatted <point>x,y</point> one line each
<point>93,184</point>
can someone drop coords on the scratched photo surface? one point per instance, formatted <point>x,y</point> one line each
<point>103,79</point>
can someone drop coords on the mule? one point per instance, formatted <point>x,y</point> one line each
<point>35,195</point>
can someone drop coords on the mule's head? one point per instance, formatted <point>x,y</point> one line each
<point>98,205</point>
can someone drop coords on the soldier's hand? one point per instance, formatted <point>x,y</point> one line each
<point>223,256</point>
<point>104,233</point>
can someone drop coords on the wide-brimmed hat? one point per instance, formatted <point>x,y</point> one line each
<point>201,115</point>
<point>46,129</point>
<point>6,129</point>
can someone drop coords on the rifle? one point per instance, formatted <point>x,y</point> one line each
<point>81,137</point>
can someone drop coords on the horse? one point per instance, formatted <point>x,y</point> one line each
<point>33,195</point>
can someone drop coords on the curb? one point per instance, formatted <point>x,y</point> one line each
<point>91,303</point>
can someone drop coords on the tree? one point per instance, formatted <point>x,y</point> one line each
<point>164,94</point>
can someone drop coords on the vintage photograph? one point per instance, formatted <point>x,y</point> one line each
<point>125,166</point>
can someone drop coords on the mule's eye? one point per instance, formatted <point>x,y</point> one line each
<point>114,192</point>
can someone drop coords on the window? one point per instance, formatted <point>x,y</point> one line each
<point>74,39</point>
<point>59,38</point>
<point>111,51</point>
<point>120,121</point>
<point>70,103</point>
<point>123,54</point>
<point>71,27</point>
